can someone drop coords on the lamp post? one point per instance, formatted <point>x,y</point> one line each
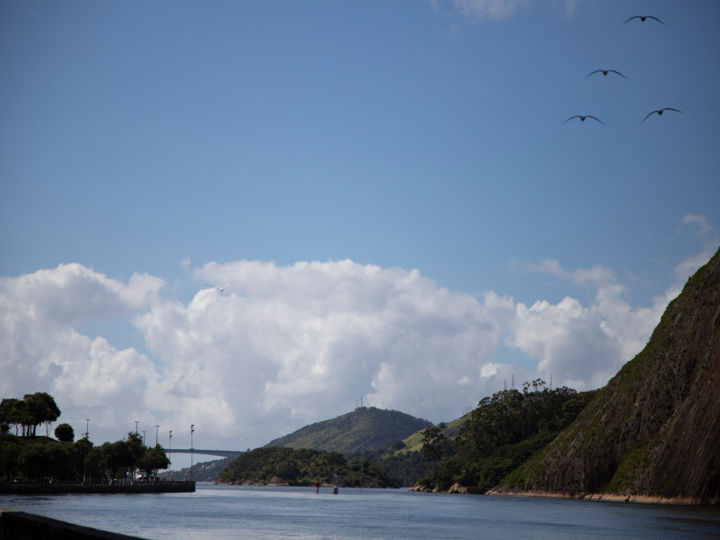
<point>192,430</point>
<point>87,438</point>
<point>157,429</point>
<point>136,423</point>
<point>169,441</point>
<point>143,441</point>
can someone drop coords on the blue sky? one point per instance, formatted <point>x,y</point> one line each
<point>153,139</point>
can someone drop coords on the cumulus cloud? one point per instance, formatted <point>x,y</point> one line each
<point>583,346</point>
<point>288,344</point>
<point>283,346</point>
<point>41,351</point>
<point>491,9</point>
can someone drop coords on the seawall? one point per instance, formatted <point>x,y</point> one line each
<point>187,486</point>
<point>23,526</point>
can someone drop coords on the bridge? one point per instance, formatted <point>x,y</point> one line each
<point>219,453</point>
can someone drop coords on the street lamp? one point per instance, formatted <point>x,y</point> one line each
<point>169,441</point>
<point>136,423</point>
<point>143,441</point>
<point>157,428</point>
<point>192,430</point>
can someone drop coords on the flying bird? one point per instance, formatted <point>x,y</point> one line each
<point>582,118</point>
<point>643,17</point>
<point>659,112</point>
<point>605,72</point>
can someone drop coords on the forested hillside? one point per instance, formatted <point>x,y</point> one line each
<point>654,429</point>
<point>305,467</point>
<point>499,435</point>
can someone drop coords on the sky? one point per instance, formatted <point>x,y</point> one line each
<point>249,216</point>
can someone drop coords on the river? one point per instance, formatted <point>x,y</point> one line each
<point>230,512</point>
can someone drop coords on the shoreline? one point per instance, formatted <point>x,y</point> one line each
<point>186,486</point>
<point>580,496</point>
<point>609,497</point>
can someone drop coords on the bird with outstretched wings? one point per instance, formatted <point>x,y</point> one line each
<point>582,118</point>
<point>659,112</point>
<point>605,72</point>
<point>643,18</point>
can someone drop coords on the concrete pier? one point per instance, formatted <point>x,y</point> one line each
<point>23,526</point>
<point>187,486</point>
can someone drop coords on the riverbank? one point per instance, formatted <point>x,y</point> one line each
<point>187,486</point>
<point>583,496</point>
<point>613,497</point>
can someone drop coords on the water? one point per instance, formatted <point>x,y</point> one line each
<point>230,512</point>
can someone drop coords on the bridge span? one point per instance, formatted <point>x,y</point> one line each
<point>219,453</point>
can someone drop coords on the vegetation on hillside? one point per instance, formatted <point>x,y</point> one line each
<point>653,430</point>
<point>25,457</point>
<point>499,435</point>
<point>364,429</point>
<point>303,467</point>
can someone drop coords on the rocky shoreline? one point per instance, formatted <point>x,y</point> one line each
<point>613,497</point>
<point>584,496</point>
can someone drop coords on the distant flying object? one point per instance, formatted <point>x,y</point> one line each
<point>605,72</point>
<point>643,17</point>
<point>582,118</point>
<point>659,112</point>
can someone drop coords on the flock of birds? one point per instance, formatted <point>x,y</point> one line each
<point>659,112</point>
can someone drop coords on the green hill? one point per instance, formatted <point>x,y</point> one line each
<point>496,437</point>
<point>364,429</point>
<point>653,430</point>
<point>304,467</point>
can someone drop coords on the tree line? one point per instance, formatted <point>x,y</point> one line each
<point>26,457</point>
<point>499,435</point>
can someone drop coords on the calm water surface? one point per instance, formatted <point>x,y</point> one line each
<point>225,512</point>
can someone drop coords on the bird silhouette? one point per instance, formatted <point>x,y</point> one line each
<point>643,17</point>
<point>605,72</point>
<point>659,112</point>
<point>582,118</point>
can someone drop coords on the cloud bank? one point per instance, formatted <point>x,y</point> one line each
<point>282,346</point>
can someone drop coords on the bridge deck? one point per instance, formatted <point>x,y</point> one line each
<point>219,453</point>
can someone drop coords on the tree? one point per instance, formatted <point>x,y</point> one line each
<point>15,413</point>
<point>65,433</point>
<point>435,445</point>
<point>28,413</point>
<point>136,449</point>
<point>117,458</point>
<point>9,457</point>
<point>152,460</point>
<point>42,409</point>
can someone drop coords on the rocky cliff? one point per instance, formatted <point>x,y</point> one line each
<point>654,430</point>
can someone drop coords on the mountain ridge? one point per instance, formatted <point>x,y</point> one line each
<point>653,430</point>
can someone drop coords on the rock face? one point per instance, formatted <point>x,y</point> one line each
<point>655,428</point>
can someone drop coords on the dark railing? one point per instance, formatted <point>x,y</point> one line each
<point>153,486</point>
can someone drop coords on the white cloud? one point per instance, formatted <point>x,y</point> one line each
<point>289,344</point>
<point>41,351</point>
<point>491,9</point>
<point>284,346</point>
<point>583,346</point>
<point>700,220</point>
